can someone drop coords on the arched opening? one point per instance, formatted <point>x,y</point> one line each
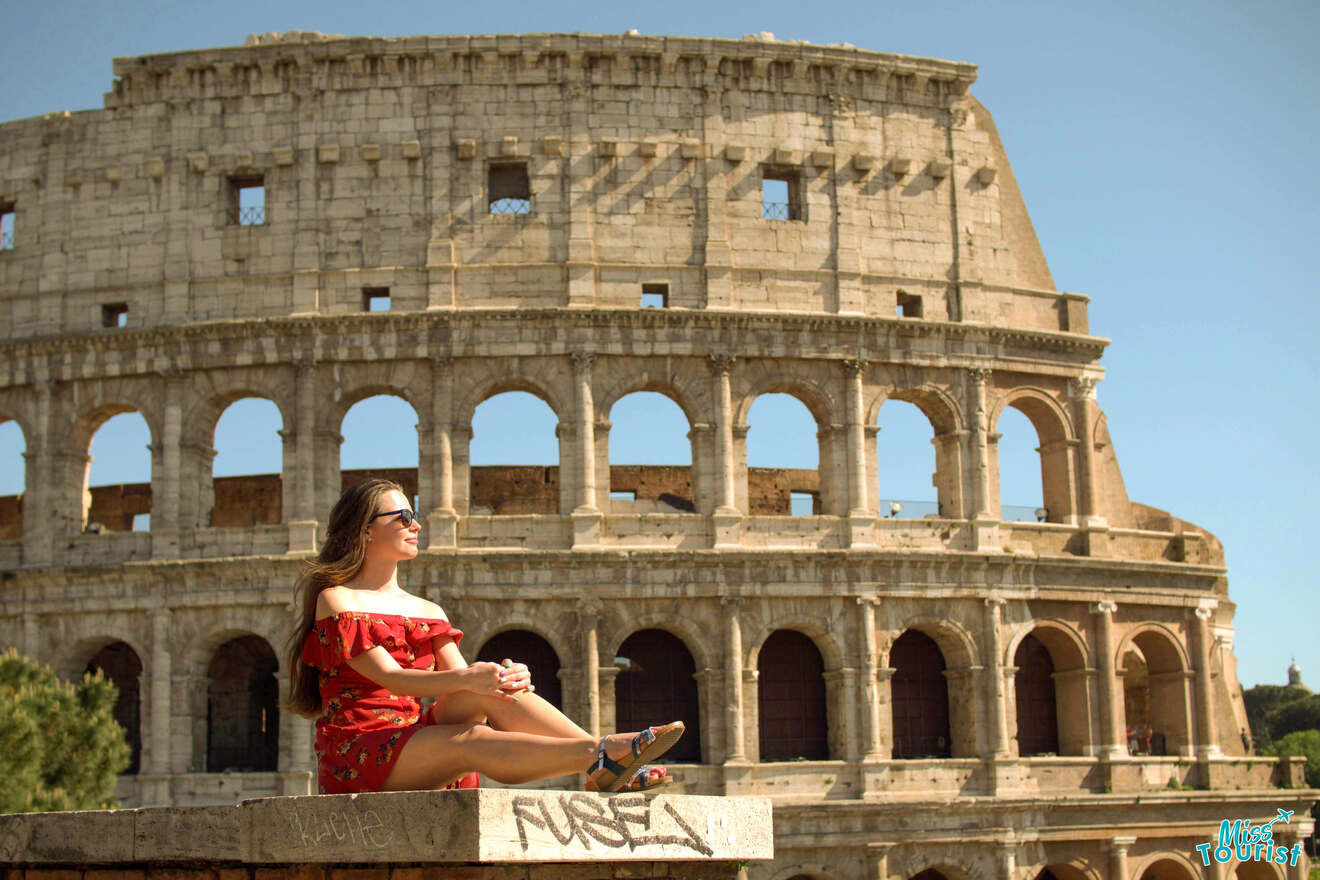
<point>1037,710</point>
<point>246,473</point>
<point>118,496</point>
<point>783,458</point>
<point>380,440</point>
<point>906,463</point>
<point>514,456</point>
<point>242,710</point>
<point>119,663</point>
<point>656,685</point>
<point>1060,872</point>
<point>1168,869</point>
<point>920,697</point>
<point>1254,870</point>
<point>1155,696</point>
<point>929,874</point>
<point>650,456</point>
<point>791,698</point>
<point>1021,496</point>
<point>529,648</point>
<point>13,480</point>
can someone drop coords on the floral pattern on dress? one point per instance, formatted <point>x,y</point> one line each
<point>363,726</point>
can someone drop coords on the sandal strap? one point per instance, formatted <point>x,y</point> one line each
<point>642,740</point>
<point>605,762</point>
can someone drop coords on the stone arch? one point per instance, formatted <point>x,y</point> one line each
<point>1068,685</point>
<point>489,382</point>
<point>11,507</point>
<point>684,390</point>
<point>1254,870</point>
<point>199,501</point>
<point>243,706</point>
<point>1166,866</point>
<point>657,488</point>
<point>959,650</point>
<point>943,871</point>
<point>74,653</point>
<point>660,686</point>
<point>919,702</point>
<point>79,445</point>
<point>482,633</point>
<point>944,419</point>
<point>807,870</point>
<point>792,703</point>
<point>1158,679</point>
<point>1054,435</point>
<point>524,645</point>
<point>692,636</point>
<point>359,393</point>
<point>122,665</point>
<point>815,396</point>
<point>818,629</point>
<point>1073,869</point>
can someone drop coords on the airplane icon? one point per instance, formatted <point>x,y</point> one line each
<point>1285,815</point>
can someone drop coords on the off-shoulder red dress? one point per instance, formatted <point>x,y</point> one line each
<point>363,727</point>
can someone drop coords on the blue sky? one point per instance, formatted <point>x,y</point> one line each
<point>1166,153</point>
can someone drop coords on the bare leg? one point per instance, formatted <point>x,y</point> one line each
<point>531,714</point>
<point>439,754</point>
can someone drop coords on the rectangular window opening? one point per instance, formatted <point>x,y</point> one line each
<point>623,495</point>
<point>375,299</point>
<point>781,194</point>
<point>802,503</point>
<point>909,305</point>
<point>247,201</point>
<point>509,189</point>
<point>655,296</point>
<point>6,227</point>
<point>142,522</point>
<point>114,315</point>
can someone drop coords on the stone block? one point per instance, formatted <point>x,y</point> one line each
<point>283,156</point>
<point>467,148</point>
<point>371,152</point>
<point>412,149</point>
<point>986,174</point>
<point>92,836</point>
<point>327,153</point>
<point>204,833</point>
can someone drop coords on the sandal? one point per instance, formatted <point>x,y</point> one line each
<point>645,778</point>
<point>611,775</point>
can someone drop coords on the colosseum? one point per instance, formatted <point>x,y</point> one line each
<point>315,220</point>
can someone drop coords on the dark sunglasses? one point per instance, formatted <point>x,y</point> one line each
<point>406,516</point>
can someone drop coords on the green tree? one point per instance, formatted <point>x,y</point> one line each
<point>1277,710</point>
<point>60,747</point>
<point>1305,743</point>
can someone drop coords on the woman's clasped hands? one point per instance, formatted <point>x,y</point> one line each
<point>505,679</point>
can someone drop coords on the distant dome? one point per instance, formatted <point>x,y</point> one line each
<point>1295,674</point>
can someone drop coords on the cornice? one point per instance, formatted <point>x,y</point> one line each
<point>449,334</point>
<point>306,61</point>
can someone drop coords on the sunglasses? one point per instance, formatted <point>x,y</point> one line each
<point>406,516</point>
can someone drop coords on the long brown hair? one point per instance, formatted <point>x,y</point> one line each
<point>341,558</point>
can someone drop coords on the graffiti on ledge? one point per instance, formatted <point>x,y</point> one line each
<point>628,822</point>
<point>342,826</point>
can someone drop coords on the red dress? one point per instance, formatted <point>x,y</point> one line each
<point>363,727</point>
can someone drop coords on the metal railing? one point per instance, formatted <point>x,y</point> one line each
<point>251,216</point>
<point>776,211</point>
<point>6,241</point>
<point>511,206</point>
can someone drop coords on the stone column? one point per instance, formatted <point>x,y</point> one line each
<point>985,532</point>
<point>41,484</point>
<point>713,184</point>
<point>861,517</point>
<point>845,680</point>
<point>442,520</point>
<point>1118,860</point>
<point>870,709</point>
<point>588,611</point>
<point>1082,394</point>
<point>735,750</point>
<point>1007,860</point>
<point>302,522</point>
<point>727,517</point>
<point>877,861</point>
<point>1207,740</point>
<point>587,516</point>
<point>884,676</point>
<point>1113,744</point>
<point>995,670</point>
<point>167,485</point>
<point>155,788</point>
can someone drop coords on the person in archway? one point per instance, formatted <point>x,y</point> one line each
<point>365,651</point>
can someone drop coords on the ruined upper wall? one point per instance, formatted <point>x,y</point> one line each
<point>644,159</point>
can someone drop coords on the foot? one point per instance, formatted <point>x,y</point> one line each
<point>614,767</point>
<point>645,778</point>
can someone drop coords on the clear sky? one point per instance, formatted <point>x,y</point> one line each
<point>1167,155</point>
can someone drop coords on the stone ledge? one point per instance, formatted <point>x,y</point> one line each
<point>483,826</point>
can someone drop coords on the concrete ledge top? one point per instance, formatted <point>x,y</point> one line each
<point>458,827</point>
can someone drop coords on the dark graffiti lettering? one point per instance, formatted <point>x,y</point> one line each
<point>586,819</point>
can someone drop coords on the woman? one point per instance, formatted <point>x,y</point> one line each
<point>365,650</point>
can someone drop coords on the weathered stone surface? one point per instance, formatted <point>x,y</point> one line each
<point>450,827</point>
